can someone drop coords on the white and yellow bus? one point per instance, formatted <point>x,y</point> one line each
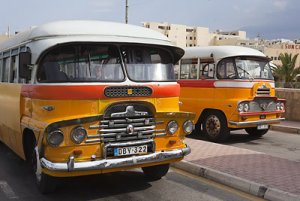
<point>89,97</point>
<point>229,88</point>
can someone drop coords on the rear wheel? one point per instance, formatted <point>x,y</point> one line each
<point>215,126</point>
<point>156,172</point>
<point>255,132</point>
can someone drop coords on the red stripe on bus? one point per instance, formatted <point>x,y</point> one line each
<point>197,83</point>
<point>84,92</point>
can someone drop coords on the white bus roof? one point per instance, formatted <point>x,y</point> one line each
<point>59,32</point>
<point>220,52</point>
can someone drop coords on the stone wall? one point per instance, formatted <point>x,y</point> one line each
<point>292,97</point>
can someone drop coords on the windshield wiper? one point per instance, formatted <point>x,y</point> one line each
<point>250,76</point>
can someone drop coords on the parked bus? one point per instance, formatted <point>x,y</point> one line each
<point>229,88</point>
<point>89,97</point>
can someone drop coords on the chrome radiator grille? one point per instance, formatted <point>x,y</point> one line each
<point>259,105</point>
<point>128,124</point>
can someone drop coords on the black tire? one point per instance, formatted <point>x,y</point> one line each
<point>214,126</point>
<point>156,172</point>
<point>256,133</point>
<point>45,183</point>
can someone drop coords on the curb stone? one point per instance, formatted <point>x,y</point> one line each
<point>245,185</point>
<point>287,129</point>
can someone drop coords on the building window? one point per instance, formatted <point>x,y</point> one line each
<point>191,38</point>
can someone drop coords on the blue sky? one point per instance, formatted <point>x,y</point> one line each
<point>271,19</point>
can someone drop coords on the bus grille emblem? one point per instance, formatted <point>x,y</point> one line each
<point>129,91</point>
<point>263,106</point>
<point>130,129</point>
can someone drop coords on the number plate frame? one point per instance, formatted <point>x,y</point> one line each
<point>132,150</point>
<point>262,127</point>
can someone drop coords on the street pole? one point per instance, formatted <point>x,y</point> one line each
<point>126,12</point>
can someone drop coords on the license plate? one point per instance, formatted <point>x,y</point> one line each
<point>262,127</point>
<point>124,151</point>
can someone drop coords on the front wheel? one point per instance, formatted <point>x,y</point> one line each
<point>156,172</point>
<point>215,126</point>
<point>46,184</point>
<point>255,132</point>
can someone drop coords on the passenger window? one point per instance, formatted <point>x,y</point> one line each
<point>189,69</point>
<point>207,69</point>
<point>1,69</point>
<point>13,70</point>
<point>6,65</point>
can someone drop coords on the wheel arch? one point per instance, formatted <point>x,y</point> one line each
<point>29,141</point>
<point>207,111</point>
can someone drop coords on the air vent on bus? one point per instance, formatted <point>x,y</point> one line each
<point>127,91</point>
<point>263,91</point>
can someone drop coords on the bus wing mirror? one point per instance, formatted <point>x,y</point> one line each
<point>211,70</point>
<point>25,65</point>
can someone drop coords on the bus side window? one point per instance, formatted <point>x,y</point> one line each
<point>1,69</point>
<point>189,69</point>
<point>13,70</point>
<point>206,70</point>
<point>6,65</point>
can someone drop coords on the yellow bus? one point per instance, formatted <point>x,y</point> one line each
<point>229,88</point>
<point>89,97</point>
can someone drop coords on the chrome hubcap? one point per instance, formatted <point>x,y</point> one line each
<point>213,126</point>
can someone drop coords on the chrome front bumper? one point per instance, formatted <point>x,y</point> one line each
<point>258,122</point>
<point>71,165</point>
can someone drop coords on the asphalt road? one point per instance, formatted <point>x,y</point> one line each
<point>16,183</point>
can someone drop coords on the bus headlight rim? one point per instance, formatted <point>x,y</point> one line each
<point>188,127</point>
<point>78,134</point>
<point>172,127</point>
<point>55,138</point>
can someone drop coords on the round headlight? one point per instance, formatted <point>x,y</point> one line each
<point>55,138</point>
<point>172,127</point>
<point>240,107</point>
<point>246,107</point>
<point>78,134</point>
<point>278,106</point>
<point>281,106</point>
<point>188,127</point>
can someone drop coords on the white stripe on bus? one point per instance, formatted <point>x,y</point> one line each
<point>237,84</point>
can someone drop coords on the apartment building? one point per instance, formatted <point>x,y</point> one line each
<point>187,36</point>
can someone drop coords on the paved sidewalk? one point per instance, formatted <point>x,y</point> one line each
<point>257,173</point>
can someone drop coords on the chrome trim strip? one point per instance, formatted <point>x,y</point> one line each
<point>258,122</point>
<point>71,165</point>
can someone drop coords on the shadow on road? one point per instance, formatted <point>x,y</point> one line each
<point>19,176</point>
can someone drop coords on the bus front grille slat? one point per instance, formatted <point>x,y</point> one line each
<point>117,130</point>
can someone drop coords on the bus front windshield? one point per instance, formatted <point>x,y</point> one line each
<point>105,63</point>
<point>148,63</point>
<point>244,68</point>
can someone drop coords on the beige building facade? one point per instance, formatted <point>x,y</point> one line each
<point>3,37</point>
<point>187,36</point>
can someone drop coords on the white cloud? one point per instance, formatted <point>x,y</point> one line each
<point>280,4</point>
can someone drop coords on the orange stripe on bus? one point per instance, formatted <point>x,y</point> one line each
<point>84,92</point>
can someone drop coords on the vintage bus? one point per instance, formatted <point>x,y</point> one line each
<point>89,97</point>
<point>229,88</point>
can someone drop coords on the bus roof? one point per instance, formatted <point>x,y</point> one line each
<point>220,52</point>
<point>116,31</point>
<point>59,32</point>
